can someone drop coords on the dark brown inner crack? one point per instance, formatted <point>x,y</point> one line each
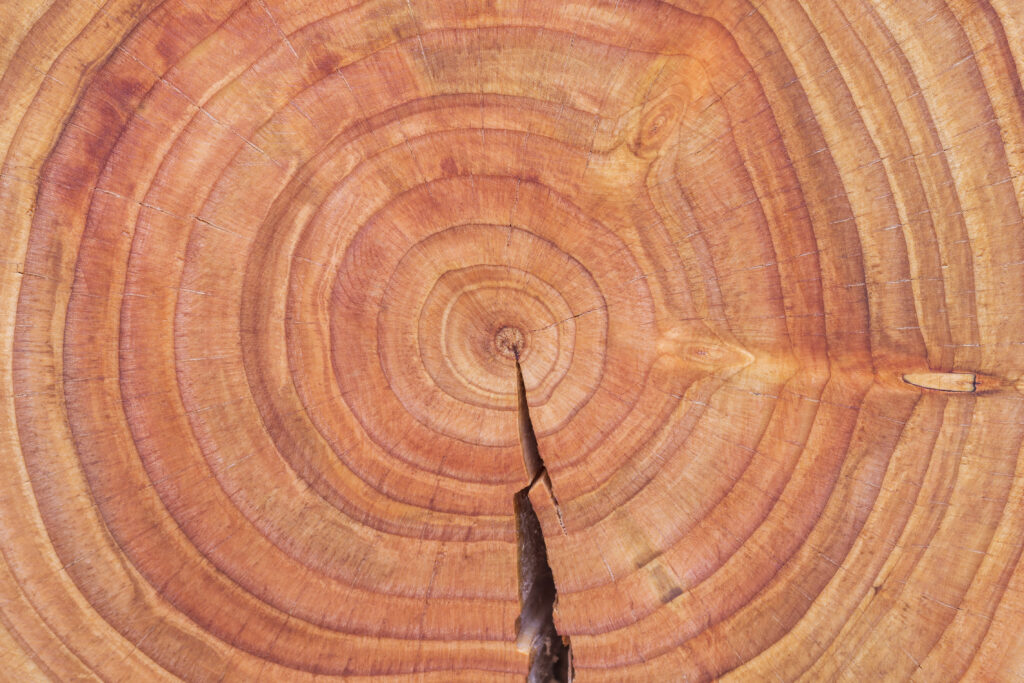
<point>550,654</point>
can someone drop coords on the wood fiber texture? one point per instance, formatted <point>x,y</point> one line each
<point>266,265</point>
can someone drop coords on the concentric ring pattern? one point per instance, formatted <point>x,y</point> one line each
<point>267,265</point>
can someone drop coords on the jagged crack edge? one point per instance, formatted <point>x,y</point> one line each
<point>550,653</point>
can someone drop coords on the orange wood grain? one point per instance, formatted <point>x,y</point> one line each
<point>263,262</point>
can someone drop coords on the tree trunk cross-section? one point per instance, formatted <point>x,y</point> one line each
<point>455,341</point>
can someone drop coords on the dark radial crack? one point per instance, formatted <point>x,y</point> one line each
<point>550,653</point>
<point>527,437</point>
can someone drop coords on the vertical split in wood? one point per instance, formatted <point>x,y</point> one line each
<point>550,653</point>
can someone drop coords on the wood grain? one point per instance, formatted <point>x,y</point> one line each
<point>266,266</point>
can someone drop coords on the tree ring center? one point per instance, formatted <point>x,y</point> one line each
<point>510,341</point>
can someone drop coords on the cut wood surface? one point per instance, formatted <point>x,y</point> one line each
<point>268,269</point>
